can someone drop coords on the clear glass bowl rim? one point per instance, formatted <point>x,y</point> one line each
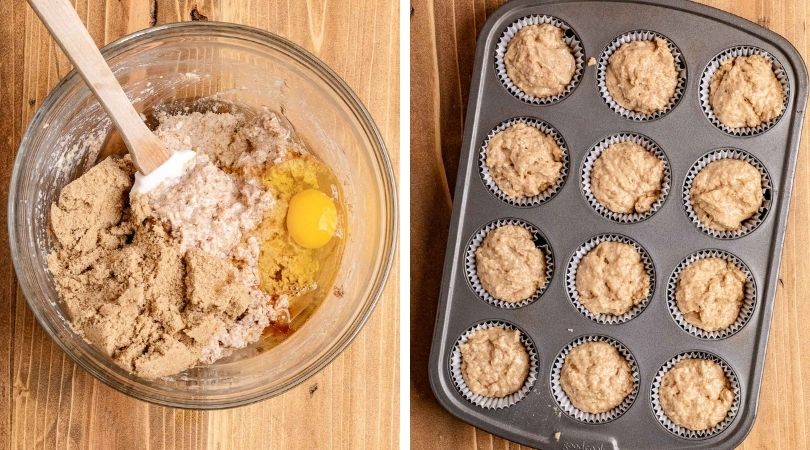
<point>351,100</point>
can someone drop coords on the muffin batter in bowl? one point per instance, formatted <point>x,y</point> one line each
<point>524,161</point>
<point>612,279</point>
<point>726,193</point>
<point>511,268</point>
<point>641,76</point>
<point>539,62</point>
<point>494,362</point>
<point>627,179</point>
<point>596,377</point>
<point>710,293</point>
<point>167,279</point>
<point>744,92</point>
<point>696,394</point>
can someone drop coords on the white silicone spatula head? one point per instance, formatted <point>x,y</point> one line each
<point>148,153</point>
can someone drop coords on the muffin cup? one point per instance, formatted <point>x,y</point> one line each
<point>524,202</point>
<point>540,242</point>
<point>492,402</point>
<point>749,224</point>
<point>601,75</point>
<point>571,39</point>
<point>711,69</point>
<point>594,154</point>
<point>746,310</point>
<point>564,402</point>
<point>571,279</point>
<point>683,432</point>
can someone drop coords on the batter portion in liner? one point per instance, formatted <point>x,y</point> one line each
<point>596,377</point>
<point>524,161</point>
<point>494,362</point>
<point>726,193</point>
<point>509,265</point>
<point>627,178</point>
<point>696,394</point>
<point>641,76</point>
<point>612,279</point>
<point>710,293</point>
<point>539,62</point>
<point>744,92</point>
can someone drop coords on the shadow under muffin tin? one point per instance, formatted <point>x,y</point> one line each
<point>669,236</point>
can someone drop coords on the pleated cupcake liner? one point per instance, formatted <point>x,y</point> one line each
<point>601,75</point>
<point>750,224</point>
<point>746,310</point>
<point>683,432</point>
<point>571,39</point>
<point>524,202</point>
<point>493,402</point>
<point>711,69</point>
<point>594,154</point>
<point>564,402</point>
<point>540,241</point>
<point>571,279</point>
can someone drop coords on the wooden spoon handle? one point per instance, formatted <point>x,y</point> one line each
<point>69,32</point>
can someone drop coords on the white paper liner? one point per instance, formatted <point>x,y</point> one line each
<point>571,279</point>
<point>686,433</point>
<point>571,39</point>
<point>493,402</point>
<point>564,402</point>
<point>711,69</point>
<point>601,75</point>
<point>746,310</point>
<point>594,154</point>
<point>470,268</point>
<point>749,224</point>
<point>524,202</point>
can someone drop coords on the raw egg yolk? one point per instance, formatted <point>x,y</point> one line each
<point>311,218</point>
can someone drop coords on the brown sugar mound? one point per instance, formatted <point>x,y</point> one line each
<point>126,285</point>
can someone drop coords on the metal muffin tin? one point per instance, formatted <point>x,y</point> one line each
<point>567,221</point>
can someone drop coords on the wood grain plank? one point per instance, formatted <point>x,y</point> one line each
<point>11,75</point>
<point>49,402</point>
<point>443,37</point>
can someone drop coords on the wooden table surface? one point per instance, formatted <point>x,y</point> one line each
<point>443,37</point>
<point>46,401</point>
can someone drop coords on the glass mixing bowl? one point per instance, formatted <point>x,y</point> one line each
<point>174,64</point>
